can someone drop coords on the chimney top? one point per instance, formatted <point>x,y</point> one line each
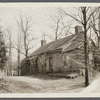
<point>78,29</point>
<point>43,41</point>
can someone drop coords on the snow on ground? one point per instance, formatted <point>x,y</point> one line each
<point>31,84</point>
<point>94,87</point>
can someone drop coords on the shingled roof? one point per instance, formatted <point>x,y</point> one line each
<point>76,43</point>
<point>65,44</point>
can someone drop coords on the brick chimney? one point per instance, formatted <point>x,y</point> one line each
<point>43,41</point>
<point>78,29</point>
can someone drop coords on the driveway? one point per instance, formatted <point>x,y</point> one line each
<point>25,84</point>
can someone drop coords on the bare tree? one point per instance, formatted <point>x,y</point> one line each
<point>59,26</point>
<point>84,20</point>
<point>96,26</point>
<point>9,46</point>
<point>18,51</point>
<point>9,32</point>
<point>18,46</point>
<point>25,25</point>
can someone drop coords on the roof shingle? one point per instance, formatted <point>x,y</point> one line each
<point>53,45</point>
<point>65,44</point>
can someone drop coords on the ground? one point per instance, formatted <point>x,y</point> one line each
<point>42,84</point>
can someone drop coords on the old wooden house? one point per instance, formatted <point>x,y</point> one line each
<point>63,55</point>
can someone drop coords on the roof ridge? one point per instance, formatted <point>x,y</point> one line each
<point>52,43</point>
<point>60,39</point>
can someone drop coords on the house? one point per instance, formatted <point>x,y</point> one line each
<point>63,55</point>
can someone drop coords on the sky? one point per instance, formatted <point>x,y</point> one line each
<point>40,14</point>
<point>40,18</point>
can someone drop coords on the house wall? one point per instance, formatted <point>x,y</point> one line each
<point>40,64</point>
<point>77,54</point>
<point>57,62</point>
<point>28,67</point>
<point>74,59</point>
<point>23,69</point>
<point>61,62</point>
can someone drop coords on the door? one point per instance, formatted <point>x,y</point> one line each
<point>51,64</point>
<point>36,66</point>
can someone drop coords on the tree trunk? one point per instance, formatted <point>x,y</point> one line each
<point>85,48</point>
<point>18,61</point>
<point>10,58</point>
<point>56,36</point>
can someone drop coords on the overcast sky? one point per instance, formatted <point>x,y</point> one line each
<point>41,21</point>
<point>40,14</point>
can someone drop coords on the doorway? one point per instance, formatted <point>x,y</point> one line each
<point>51,64</point>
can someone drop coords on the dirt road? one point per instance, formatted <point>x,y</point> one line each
<point>22,84</point>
